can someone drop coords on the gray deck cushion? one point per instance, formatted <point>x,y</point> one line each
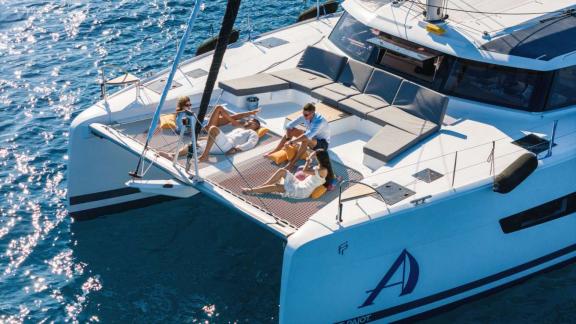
<point>422,102</point>
<point>321,62</point>
<point>402,120</point>
<point>302,80</point>
<point>351,81</point>
<point>258,83</point>
<point>355,75</point>
<point>361,105</point>
<point>383,85</point>
<point>333,93</point>
<point>389,142</point>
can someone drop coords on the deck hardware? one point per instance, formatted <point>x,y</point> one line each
<point>420,201</point>
<point>428,175</point>
<point>355,194</point>
<point>158,85</point>
<point>197,73</point>
<point>393,192</point>
<point>272,42</point>
<point>533,143</point>
<point>551,143</point>
<point>126,79</point>
<point>454,169</point>
<point>491,159</point>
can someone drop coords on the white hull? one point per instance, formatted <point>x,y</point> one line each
<point>458,244</point>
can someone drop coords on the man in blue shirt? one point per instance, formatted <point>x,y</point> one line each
<point>316,136</point>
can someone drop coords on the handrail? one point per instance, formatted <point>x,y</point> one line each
<point>104,81</point>
<point>340,201</point>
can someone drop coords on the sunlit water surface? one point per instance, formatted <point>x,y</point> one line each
<point>183,261</point>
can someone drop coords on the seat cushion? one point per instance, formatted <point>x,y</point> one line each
<point>258,83</point>
<point>333,93</point>
<point>355,75</point>
<point>383,85</point>
<point>302,80</point>
<point>322,62</point>
<point>389,142</point>
<point>422,102</point>
<point>361,105</point>
<point>402,120</point>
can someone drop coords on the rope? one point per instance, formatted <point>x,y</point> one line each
<point>486,12</point>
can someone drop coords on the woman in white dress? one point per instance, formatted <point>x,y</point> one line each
<point>294,187</point>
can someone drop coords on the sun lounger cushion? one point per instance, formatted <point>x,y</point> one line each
<point>389,142</point>
<point>383,85</point>
<point>402,120</point>
<point>302,80</point>
<point>258,83</point>
<point>361,105</point>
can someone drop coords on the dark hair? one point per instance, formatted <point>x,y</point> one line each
<point>309,107</point>
<point>255,120</point>
<point>324,161</point>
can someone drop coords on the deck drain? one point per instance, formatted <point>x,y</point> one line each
<point>158,85</point>
<point>196,73</point>
<point>394,193</point>
<point>428,175</point>
<point>533,143</point>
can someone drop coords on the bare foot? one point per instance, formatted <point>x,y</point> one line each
<point>255,111</point>
<point>203,158</point>
<point>247,191</point>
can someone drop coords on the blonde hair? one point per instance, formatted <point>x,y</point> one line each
<point>182,101</point>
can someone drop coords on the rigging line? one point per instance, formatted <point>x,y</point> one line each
<point>489,13</point>
<point>230,162</point>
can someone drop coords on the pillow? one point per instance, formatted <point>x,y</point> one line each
<point>278,157</point>
<point>318,192</point>
<point>262,131</point>
<point>291,150</point>
<point>168,121</point>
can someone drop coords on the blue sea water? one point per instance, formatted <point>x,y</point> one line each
<point>183,261</point>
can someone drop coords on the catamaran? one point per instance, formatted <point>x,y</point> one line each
<point>453,138</point>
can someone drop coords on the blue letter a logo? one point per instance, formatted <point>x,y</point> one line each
<point>407,283</point>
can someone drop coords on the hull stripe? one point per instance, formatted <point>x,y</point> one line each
<point>82,199</point>
<point>460,289</point>
<point>121,207</point>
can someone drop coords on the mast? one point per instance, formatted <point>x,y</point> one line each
<point>227,24</point>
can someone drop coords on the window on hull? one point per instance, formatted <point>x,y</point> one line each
<point>351,37</point>
<point>540,214</point>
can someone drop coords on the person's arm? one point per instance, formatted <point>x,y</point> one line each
<point>308,165</point>
<point>250,143</point>
<point>179,122</point>
<point>295,122</point>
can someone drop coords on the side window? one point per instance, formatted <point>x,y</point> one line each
<point>351,37</point>
<point>493,84</point>
<point>563,92</point>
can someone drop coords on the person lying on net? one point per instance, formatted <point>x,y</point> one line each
<point>242,138</point>
<point>293,187</point>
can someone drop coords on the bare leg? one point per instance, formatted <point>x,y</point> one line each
<point>270,184</point>
<point>290,133</point>
<point>213,131</point>
<point>265,189</point>
<point>301,150</point>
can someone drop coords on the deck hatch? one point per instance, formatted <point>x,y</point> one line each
<point>394,193</point>
<point>196,73</point>
<point>272,42</point>
<point>158,85</point>
<point>428,175</point>
<point>533,143</point>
